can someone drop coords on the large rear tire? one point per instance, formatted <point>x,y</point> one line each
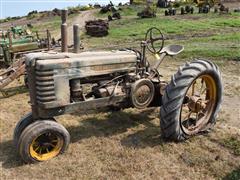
<point>181,97</point>
<point>42,140</point>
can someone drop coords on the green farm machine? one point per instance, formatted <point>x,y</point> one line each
<point>14,43</point>
<point>18,41</point>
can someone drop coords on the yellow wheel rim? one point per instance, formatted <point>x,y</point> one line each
<point>46,146</point>
<point>198,105</point>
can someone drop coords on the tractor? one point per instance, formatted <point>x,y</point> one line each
<point>210,3</point>
<point>4,41</point>
<point>170,12</point>
<point>149,11</point>
<point>205,5</point>
<point>13,45</point>
<point>187,10</point>
<point>17,41</point>
<point>61,83</point>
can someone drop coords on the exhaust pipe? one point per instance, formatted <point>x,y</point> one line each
<point>76,38</point>
<point>64,35</point>
<point>10,39</point>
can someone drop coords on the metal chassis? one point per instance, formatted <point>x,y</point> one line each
<point>79,107</point>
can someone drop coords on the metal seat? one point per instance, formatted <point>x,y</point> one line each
<point>172,50</point>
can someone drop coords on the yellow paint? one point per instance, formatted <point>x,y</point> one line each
<point>43,153</point>
<point>157,56</point>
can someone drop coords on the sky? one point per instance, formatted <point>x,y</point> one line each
<point>10,8</point>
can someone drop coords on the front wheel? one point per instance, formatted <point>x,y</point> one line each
<point>42,140</point>
<point>191,100</point>
<point>21,125</point>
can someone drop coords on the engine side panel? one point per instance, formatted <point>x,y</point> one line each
<point>53,74</point>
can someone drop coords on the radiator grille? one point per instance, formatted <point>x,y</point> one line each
<point>45,86</point>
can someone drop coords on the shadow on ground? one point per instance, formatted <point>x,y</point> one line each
<point>113,124</point>
<point>234,175</point>
<point>119,123</point>
<point>8,155</point>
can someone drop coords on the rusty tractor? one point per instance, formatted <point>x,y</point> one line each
<point>115,13</point>
<point>204,6</point>
<point>61,83</point>
<point>163,3</point>
<point>210,3</point>
<point>20,37</point>
<point>204,9</point>
<point>221,9</point>
<point>13,47</point>
<point>170,12</point>
<point>149,11</point>
<point>187,10</point>
<point>114,16</point>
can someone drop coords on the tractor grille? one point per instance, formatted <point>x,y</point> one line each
<point>45,86</point>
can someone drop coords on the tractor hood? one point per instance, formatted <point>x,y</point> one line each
<point>87,63</point>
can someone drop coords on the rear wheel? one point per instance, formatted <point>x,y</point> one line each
<point>42,140</point>
<point>191,101</point>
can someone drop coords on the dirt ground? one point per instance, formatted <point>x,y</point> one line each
<point>80,20</point>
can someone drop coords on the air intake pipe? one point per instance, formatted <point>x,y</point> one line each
<point>64,35</point>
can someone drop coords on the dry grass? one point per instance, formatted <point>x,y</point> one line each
<point>126,144</point>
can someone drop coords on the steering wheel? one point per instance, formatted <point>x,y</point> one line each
<point>154,37</point>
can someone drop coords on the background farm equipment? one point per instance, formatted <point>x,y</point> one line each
<point>187,10</point>
<point>221,9</point>
<point>109,8</point>
<point>13,47</point>
<point>204,6</point>
<point>13,72</point>
<point>115,15</point>
<point>148,12</point>
<point>204,9</point>
<point>237,10</point>
<point>15,36</point>
<point>162,3</point>
<point>61,83</point>
<point>210,3</point>
<point>170,12</point>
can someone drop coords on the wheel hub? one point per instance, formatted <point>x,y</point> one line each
<point>46,146</point>
<point>196,104</point>
<point>143,94</point>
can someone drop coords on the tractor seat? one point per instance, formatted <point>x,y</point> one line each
<point>172,50</point>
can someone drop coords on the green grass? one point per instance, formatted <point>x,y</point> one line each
<point>126,27</point>
<point>234,175</point>
<point>233,143</point>
<point>53,23</point>
<point>219,33</point>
